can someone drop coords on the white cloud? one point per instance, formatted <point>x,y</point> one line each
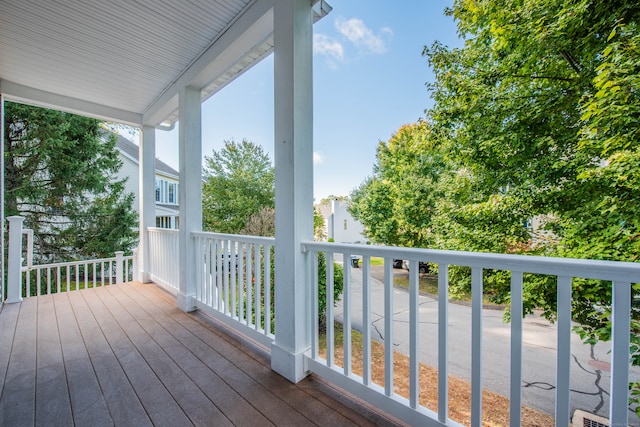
<point>318,158</point>
<point>325,45</point>
<point>361,36</point>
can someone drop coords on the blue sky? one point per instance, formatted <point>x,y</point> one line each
<point>369,79</point>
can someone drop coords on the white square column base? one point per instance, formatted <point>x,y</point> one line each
<point>291,366</point>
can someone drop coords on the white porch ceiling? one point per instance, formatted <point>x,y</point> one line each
<point>125,60</point>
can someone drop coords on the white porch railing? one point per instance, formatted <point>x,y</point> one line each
<point>45,279</point>
<point>33,280</point>
<point>235,282</point>
<point>622,275</point>
<point>163,256</point>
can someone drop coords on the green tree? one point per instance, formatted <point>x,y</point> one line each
<point>262,223</point>
<point>59,175</point>
<point>541,106</point>
<point>536,116</point>
<point>396,205</point>
<point>239,182</point>
<point>318,225</point>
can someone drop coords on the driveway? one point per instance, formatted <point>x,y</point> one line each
<point>590,376</point>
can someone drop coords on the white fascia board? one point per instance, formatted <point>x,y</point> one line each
<point>167,175</point>
<point>164,211</point>
<point>32,96</point>
<point>249,30</point>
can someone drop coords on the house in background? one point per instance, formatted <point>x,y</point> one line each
<point>167,209</point>
<point>339,224</point>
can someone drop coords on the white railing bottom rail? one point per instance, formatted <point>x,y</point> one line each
<point>408,408</point>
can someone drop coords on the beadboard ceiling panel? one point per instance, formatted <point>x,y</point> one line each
<point>120,54</point>
<point>125,60</point>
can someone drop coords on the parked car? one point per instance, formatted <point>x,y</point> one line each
<point>423,267</point>
<point>398,263</point>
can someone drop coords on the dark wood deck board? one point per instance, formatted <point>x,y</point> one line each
<point>154,397</point>
<point>17,403</point>
<point>127,356</point>
<point>122,401</point>
<point>192,401</point>
<point>87,401</point>
<point>197,365</point>
<point>52,398</point>
<point>241,383</point>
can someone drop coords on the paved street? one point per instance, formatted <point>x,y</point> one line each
<point>590,375</point>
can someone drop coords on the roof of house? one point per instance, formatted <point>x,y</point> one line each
<point>131,150</point>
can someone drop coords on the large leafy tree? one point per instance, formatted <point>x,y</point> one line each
<point>539,114</point>
<point>542,108</point>
<point>243,177</point>
<point>397,203</point>
<point>239,182</point>
<point>541,104</point>
<point>60,175</point>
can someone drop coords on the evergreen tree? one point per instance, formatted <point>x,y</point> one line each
<point>59,175</point>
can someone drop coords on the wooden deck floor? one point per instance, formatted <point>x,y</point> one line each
<point>124,355</point>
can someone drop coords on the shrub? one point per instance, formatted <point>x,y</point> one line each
<point>338,275</point>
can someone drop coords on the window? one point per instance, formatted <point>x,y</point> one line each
<point>173,193</point>
<point>163,221</point>
<point>345,224</point>
<point>166,192</point>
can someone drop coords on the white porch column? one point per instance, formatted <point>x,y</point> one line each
<point>190,192</point>
<point>14,263</point>
<point>147,198</point>
<point>294,183</point>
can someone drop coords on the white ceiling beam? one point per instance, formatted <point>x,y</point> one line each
<point>28,95</point>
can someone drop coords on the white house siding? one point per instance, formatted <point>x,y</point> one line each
<point>339,224</point>
<point>129,170</point>
<point>166,211</point>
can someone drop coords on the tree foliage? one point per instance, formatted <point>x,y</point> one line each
<point>59,175</point>
<point>238,197</point>
<point>536,116</point>
<point>318,225</point>
<point>541,107</point>
<point>239,182</point>
<point>397,203</point>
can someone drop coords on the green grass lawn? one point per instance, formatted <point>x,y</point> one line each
<point>377,261</point>
<point>428,283</point>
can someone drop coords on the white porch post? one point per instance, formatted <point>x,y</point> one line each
<point>190,192</point>
<point>147,200</point>
<point>294,183</point>
<point>14,263</point>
